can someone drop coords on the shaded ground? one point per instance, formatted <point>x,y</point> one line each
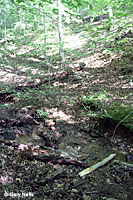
<point>46,135</point>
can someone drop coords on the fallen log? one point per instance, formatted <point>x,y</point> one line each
<point>53,158</point>
<point>47,155</point>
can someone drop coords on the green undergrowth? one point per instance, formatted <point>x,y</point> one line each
<point>4,106</point>
<point>41,114</point>
<point>44,95</point>
<point>93,101</point>
<point>94,106</point>
<point>121,114</point>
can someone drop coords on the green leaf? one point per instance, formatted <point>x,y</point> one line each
<point>55,10</point>
<point>12,1</point>
<point>90,6</point>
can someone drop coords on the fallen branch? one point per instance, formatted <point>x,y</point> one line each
<point>47,155</point>
<point>123,163</point>
<point>96,166</point>
<point>53,158</point>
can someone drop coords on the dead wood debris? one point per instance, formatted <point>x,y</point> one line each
<point>97,165</point>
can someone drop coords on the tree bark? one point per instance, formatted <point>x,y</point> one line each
<point>60,32</point>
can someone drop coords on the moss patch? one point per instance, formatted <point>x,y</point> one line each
<point>122,113</point>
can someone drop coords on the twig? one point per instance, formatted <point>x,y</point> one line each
<point>121,122</point>
<point>96,166</point>
<point>123,163</point>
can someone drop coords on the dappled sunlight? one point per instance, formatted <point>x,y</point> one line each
<point>74,85</point>
<point>128,85</point>
<point>8,76</point>
<point>24,50</point>
<point>97,81</point>
<point>57,83</point>
<point>13,79</point>
<point>72,41</point>
<point>35,59</point>
<point>19,73</point>
<point>12,48</point>
<point>98,60</point>
<point>39,42</point>
<point>123,84</point>
<point>60,115</point>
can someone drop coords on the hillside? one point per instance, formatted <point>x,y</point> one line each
<point>60,117</point>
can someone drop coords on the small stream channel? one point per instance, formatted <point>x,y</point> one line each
<point>85,146</point>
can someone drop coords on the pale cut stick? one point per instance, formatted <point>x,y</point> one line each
<point>97,165</point>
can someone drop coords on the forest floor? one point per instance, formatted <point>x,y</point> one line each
<point>48,135</point>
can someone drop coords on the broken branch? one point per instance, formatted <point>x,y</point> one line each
<point>124,163</point>
<point>96,166</point>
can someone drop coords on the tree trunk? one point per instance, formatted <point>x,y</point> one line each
<point>110,12</point>
<point>5,31</point>
<point>45,34</point>
<point>60,32</point>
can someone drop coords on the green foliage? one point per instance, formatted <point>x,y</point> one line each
<point>72,101</point>
<point>25,19</point>
<point>75,3</point>
<point>5,106</point>
<point>41,114</point>
<point>119,113</point>
<point>94,98</point>
<point>93,102</point>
